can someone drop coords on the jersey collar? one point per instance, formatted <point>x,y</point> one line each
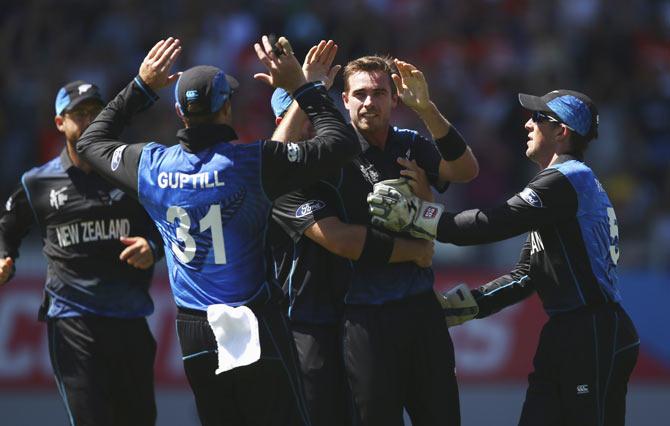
<point>65,160</point>
<point>194,139</point>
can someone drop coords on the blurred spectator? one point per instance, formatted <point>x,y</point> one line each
<point>476,54</point>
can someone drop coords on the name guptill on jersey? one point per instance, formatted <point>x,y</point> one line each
<point>92,230</point>
<point>179,180</point>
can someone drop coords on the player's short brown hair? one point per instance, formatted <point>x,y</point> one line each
<point>369,64</point>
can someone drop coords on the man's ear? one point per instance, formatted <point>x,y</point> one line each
<point>58,120</point>
<point>180,114</point>
<point>277,120</point>
<point>345,99</point>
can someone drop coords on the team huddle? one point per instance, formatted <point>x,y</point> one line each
<point>301,264</point>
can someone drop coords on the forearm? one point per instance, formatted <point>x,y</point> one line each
<point>507,289</point>
<point>292,124</point>
<point>437,124</point>
<point>100,145</point>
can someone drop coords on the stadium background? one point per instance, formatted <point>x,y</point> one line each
<point>476,54</point>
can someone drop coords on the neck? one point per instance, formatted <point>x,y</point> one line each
<point>76,160</point>
<point>376,137</point>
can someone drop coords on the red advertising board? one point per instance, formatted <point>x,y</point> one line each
<point>495,349</point>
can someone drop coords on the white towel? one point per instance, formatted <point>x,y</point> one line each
<point>236,332</point>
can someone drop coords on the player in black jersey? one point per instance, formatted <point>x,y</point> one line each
<point>589,346</point>
<point>100,247</point>
<point>311,247</point>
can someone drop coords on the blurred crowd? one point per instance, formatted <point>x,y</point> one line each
<point>476,54</point>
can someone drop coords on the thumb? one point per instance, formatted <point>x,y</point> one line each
<point>174,77</point>
<point>264,78</point>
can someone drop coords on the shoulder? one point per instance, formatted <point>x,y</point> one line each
<point>49,169</point>
<point>578,173</point>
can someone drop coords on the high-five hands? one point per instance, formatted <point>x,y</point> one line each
<point>317,64</point>
<point>283,68</point>
<point>155,68</point>
<point>412,86</point>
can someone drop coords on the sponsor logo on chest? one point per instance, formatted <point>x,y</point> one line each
<point>57,197</point>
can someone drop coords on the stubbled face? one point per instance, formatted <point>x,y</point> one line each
<point>73,123</point>
<point>541,144</point>
<point>369,100</point>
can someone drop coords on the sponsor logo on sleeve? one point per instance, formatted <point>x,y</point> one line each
<point>582,389</point>
<point>309,207</point>
<point>294,152</point>
<point>430,212</point>
<point>530,196</point>
<point>116,157</point>
<point>9,204</point>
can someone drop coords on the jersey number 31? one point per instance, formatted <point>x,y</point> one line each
<point>212,220</point>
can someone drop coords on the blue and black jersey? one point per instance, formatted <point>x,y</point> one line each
<point>314,279</point>
<point>572,249</point>
<point>81,218</point>
<point>210,196</point>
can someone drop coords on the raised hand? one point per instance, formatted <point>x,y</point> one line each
<point>138,252</point>
<point>283,68</point>
<point>155,68</point>
<point>317,64</point>
<point>412,86</point>
<point>418,180</point>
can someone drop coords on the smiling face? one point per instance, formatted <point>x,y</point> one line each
<point>369,99</point>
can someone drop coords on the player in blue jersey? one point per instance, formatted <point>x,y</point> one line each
<point>211,198</point>
<point>589,346</point>
<point>100,246</point>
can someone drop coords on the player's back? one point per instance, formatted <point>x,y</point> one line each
<point>211,211</point>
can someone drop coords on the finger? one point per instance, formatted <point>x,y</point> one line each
<point>129,252</point>
<point>268,47</point>
<point>154,49</point>
<point>264,78</point>
<point>377,211</point>
<point>397,81</point>
<point>310,55</point>
<point>164,59</point>
<point>161,49</point>
<point>174,77</point>
<point>262,56</point>
<point>137,258</point>
<point>328,53</point>
<point>318,55</point>
<point>333,72</point>
<point>410,174</point>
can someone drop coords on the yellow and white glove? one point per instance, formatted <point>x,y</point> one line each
<point>458,304</point>
<point>396,208</point>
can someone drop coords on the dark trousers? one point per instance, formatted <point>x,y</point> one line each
<point>267,392</point>
<point>104,370</point>
<point>320,356</point>
<point>400,355</point>
<point>581,369</point>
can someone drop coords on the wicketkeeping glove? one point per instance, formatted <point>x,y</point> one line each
<point>459,305</point>
<point>395,207</point>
